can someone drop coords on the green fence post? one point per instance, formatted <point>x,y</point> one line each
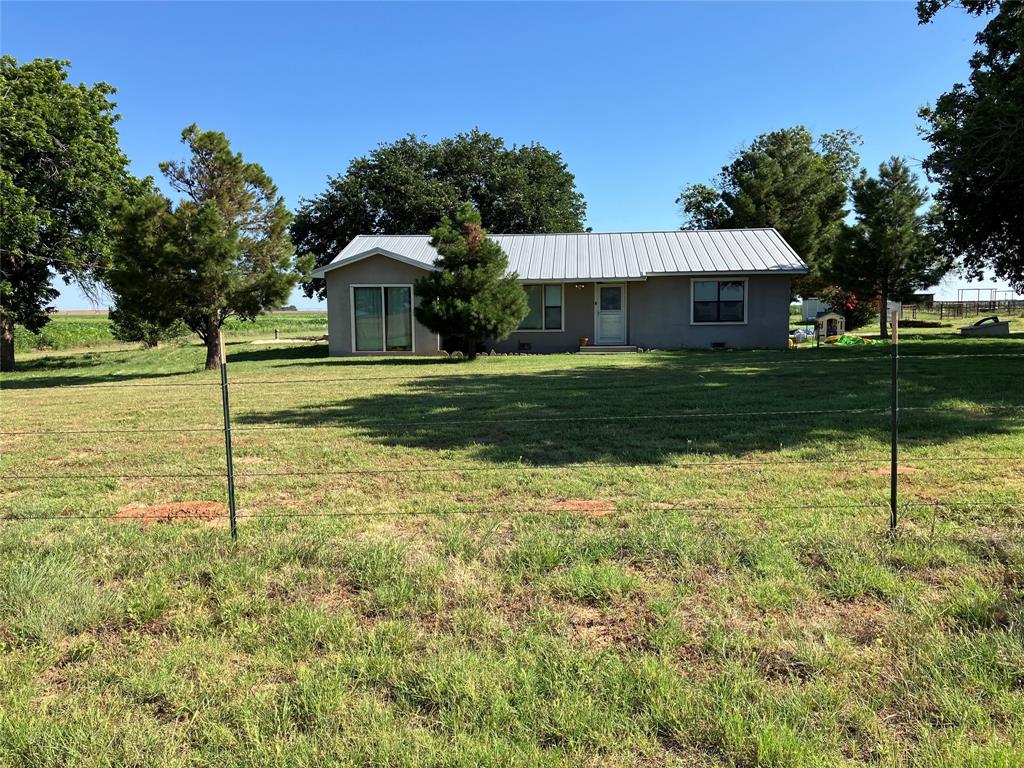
<point>227,436</point>
<point>894,407</point>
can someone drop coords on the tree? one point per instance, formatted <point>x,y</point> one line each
<point>406,187</point>
<point>60,166</point>
<point>470,298</point>
<point>223,250</point>
<point>890,250</point>
<point>785,180</point>
<point>977,137</point>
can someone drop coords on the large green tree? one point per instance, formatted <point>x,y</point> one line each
<point>223,250</point>
<point>60,167</point>
<point>890,251</point>
<point>977,135</point>
<point>787,180</point>
<point>407,186</point>
<point>470,298</point>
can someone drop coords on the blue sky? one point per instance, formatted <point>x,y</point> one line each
<point>639,98</point>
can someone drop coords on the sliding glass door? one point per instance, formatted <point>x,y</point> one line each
<point>382,318</point>
<point>398,318</point>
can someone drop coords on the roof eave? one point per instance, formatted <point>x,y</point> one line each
<point>321,272</point>
<point>780,271</point>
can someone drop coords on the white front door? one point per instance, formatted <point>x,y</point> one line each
<point>610,323</point>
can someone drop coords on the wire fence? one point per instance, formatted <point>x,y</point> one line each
<point>578,382</point>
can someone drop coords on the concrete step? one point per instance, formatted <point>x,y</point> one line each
<point>607,350</point>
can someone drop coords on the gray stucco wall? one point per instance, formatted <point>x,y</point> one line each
<point>659,315</point>
<point>577,320</point>
<point>657,312</point>
<point>374,270</point>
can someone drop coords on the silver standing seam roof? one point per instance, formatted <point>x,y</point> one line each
<point>605,255</point>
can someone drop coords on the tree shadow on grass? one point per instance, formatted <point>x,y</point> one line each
<point>301,354</point>
<point>674,404</point>
<point>73,370</point>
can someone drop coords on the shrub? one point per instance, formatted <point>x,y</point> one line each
<point>470,298</point>
<point>858,312</point>
<point>125,326</point>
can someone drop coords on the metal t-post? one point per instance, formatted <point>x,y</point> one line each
<point>227,436</point>
<point>894,469</point>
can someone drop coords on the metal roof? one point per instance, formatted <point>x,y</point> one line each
<point>604,256</point>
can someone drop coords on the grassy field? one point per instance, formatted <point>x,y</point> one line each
<point>537,560</point>
<point>923,320</point>
<point>73,330</point>
<point>90,330</point>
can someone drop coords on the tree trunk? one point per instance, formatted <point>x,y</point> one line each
<point>883,315</point>
<point>6,344</point>
<point>212,343</point>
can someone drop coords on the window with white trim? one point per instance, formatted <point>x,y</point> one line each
<point>382,318</point>
<point>719,301</point>
<point>545,302</point>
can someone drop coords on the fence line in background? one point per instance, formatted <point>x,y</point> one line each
<point>955,309</point>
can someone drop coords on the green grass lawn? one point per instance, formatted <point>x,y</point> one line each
<point>534,560</point>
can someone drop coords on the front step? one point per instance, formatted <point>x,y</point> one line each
<point>607,350</point>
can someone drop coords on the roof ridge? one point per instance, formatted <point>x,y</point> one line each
<point>615,232</point>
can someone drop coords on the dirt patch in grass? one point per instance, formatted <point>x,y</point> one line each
<point>783,665</point>
<point>330,597</point>
<point>623,625</point>
<point>178,511</point>
<point>863,620</point>
<point>900,470</point>
<point>588,507</point>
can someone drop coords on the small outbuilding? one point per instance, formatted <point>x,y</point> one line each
<point>810,308</point>
<point>828,324</point>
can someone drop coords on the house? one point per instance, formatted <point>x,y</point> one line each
<point>666,290</point>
